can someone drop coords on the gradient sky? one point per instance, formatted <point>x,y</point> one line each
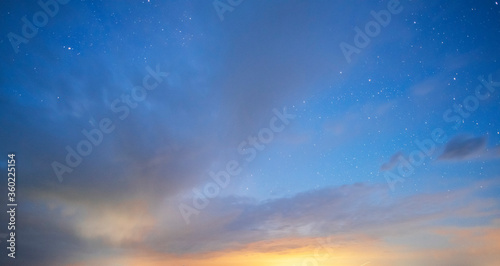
<point>390,155</point>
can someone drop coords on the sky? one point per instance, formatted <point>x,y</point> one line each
<point>238,132</point>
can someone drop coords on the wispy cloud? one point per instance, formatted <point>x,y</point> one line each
<point>393,161</point>
<point>463,147</point>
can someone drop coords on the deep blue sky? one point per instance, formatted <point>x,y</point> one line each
<point>355,122</point>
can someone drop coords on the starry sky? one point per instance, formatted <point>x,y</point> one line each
<point>238,132</point>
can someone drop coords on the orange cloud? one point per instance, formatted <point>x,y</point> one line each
<point>472,246</point>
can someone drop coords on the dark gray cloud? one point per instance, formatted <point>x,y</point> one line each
<point>463,147</point>
<point>393,161</point>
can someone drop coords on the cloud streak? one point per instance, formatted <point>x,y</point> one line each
<point>463,148</point>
